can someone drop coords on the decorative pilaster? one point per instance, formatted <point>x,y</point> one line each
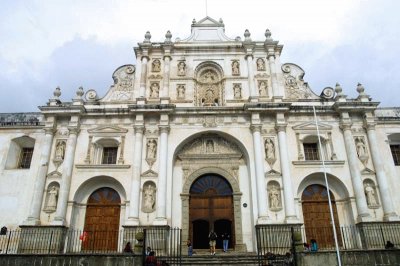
<point>361,203</point>
<point>87,159</point>
<point>272,67</point>
<point>68,166</point>
<point>121,150</point>
<point>133,216</point>
<point>300,152</point>
<point>248,45</point>
<point>286,178</point>
<point>161,218</point>
<point>39,188</point>
<point>262,200</point>
<point>143,76</point>
<point>167,63</point>
<point>389,213</point>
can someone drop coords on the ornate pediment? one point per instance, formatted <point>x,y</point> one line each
<point>210,146</point>
<point>149,173</point>
<point>54,174</point>
<point>124,80</point>
<point>295,86</point>
<point>207,29</point>
<point>107,130</point>
<point>310,126</point>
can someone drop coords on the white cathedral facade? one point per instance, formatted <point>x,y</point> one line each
<point>203,133</point>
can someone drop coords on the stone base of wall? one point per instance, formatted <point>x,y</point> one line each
<point>354,258</point>
<point>70,260</point>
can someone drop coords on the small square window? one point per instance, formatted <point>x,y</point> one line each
<point>395,149</point>
<point>311,151</point>
<point>26,158</point>
<point>109,155</point>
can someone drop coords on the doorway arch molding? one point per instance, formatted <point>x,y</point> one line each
<point>237,195</point>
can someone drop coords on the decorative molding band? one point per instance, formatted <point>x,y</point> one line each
<point>102,166</point>
<point>314,163</point>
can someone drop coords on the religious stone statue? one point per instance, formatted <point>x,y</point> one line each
<point>237,91</point>
<point>260,64</point>
<point>274,198</point>
<point>370,194</point>
<point>60,151</point>
<point>154,90</point>
<point>151,149</point>
<point>262,88</point>
<point>269,149</point>
<point>156,65</point>
<point>181,91</point>
<point>149,198</point>
<point>181,68</point>
<point>235,68</point>
<point>361,148</point>
<point>209,97</point>
<point>209,146</point>
<point>52,199</point>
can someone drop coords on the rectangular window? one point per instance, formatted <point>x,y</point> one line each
<point>395,153</point>
<point>311,151</point>
<point>110,155</point>
<point>26,158</point>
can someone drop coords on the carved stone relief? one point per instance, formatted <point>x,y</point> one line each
<point>181,68</point>
<point>262,88</point>
<point>370,194</point>
<point>269,146</point>
<point>59,152</point>
<point>235,68</point>
<point>274,196</point>
<point>51,198</point>
<point>361,149</point>
<point>151,151</point>
<point>180,91</point>
<point>156,65</point>
<point>122,89</point>
<point>260,64</point>
<point>209,85</point>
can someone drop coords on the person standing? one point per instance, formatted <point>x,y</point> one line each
<point>212,236</point>
<point>225,241</point>
<point>190,247</point>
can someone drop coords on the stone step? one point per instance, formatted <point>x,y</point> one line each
<point>221,258</point>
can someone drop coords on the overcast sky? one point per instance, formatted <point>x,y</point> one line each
<point>45,44</point>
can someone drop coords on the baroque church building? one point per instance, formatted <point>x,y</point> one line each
<point>203,133</point>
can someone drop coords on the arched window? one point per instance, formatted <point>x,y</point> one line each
<point>20,153</point>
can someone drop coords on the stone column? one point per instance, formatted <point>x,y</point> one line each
<point>40,182</point>
<point>361,203</point>
<point>286,177</point>
<point>161,218</point>
<point>134,206</point>
<point>167,60</point>
<point>253,91</point>
<point>389,213</point>
<point>68,166</point>
<point>143,77</point>
<point>262,200</point>
<point>272,67</point>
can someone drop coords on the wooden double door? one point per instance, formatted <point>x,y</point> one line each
<point>317,217</point>
<point>210,208</point>
<point>102,217</point>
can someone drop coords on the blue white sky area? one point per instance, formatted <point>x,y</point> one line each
<point>72,43</point>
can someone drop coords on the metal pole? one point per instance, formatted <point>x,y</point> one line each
<point>327,188</point>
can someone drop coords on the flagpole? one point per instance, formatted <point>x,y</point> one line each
<point>327,188</point>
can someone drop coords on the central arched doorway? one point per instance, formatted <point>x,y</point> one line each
<point>317,217</point>
<point>102,220</point>
<point>210,207</point>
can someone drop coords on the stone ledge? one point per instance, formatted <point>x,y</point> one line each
<point>103,166</point>
<point>313,163</point>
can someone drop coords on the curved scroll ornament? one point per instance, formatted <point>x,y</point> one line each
<point>295,86</point>
<point>122,90</point>
<point>328,93</point>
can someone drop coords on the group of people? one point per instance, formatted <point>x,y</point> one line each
<point>313,246</point>
<point>212,236</point>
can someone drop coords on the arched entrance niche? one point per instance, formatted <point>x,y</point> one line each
<point>315,208</point>
<point>210,208</point>
<point>85,190</point>
<point>212,153</point>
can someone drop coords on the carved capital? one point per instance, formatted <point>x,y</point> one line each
<point>73,130</point>
<point>167,57</point>
<point>164,129</point>
<point>249,56</point>
<point>49,130</point>
<point>345,126</point>
<point>145,57</point>
<point>281,127</point>
<point>255,128</point>
<point>138,129</point>
<point>370,126</point>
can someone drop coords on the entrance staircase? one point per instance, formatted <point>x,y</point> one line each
<point>202,257</point>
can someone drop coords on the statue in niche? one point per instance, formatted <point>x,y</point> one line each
<point>209,97</point>
<point>154,90</point>
<point>361,148</point>
<point>235,68</point>
<point>180,91</point>
<point>151,149</point>
<point>260,64</point>
<point>210,146</point>
<point>274,197</point>
<point>269,149</point>
<point>156,65</point>
<point>262,88</point>
<point>149,198</point>
<point>52,196</point>
<point>370,194</point>
<point>60,151</point>
<point>237,91</point>
<point>181,68</point>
